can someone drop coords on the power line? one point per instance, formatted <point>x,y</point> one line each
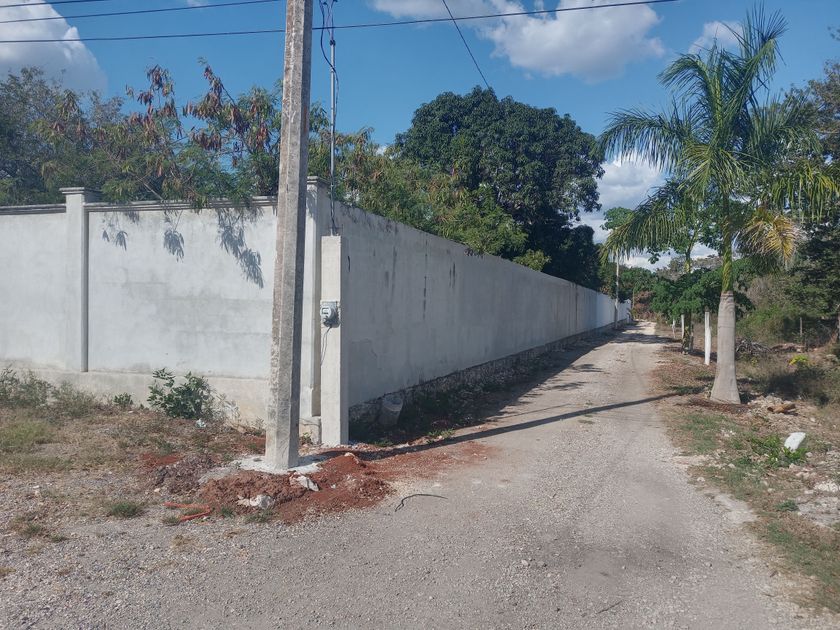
<point>328,22</point>
<point>488,16</point>
<point>125,38</point>
<point>135,12</point>
<point>466,45</point>
<point>317,28</point>
<point>37,4</point>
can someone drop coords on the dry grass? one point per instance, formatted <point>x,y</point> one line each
<point>742,448</point>
<point>57,444</point>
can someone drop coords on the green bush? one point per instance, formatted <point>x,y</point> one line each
<point>25,391</point>
<point>123,401</point>
<point>192,399</point>
<point>69,401</point>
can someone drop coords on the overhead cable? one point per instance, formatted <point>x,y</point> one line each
<point>466,45</point>
<point>136,11</point>
<point>266,31</point>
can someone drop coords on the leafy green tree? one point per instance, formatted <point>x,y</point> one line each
<point>745,156</point>
<point>34,162</point>
<point>817,274</point>
<point>533,165</point>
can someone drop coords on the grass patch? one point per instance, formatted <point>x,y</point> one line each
<point>812,554</point>
<point>125,509</point>
<point>22,436</point>
<point>702,430</point>
<point>439,434</point>
<point>797,378</point>
<point>788,505</point>
<point>22,391</point>
<point>73,403</point>
<point>27,526</point>
<point>4,571</point>
<point>28,463</point>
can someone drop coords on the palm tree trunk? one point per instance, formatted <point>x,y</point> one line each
<point>725,388</point>
<point>687,331</point>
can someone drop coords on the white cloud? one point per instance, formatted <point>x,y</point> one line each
<point>722,32</point>
<point>70,62</point>
<point>593,44</point>
<point>627,183</point>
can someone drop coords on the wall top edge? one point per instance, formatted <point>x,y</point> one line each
<point>53,208</point>
<point>388,225</point>
<point>75,190</point>
<point>147,206</point>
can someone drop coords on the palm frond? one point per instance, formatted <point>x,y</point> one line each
<point>779,129</point>
<point>656,138</point>
<point>749,69</point>
<point>806,188</point>
<point>656,224</point>
<point>769,235</point>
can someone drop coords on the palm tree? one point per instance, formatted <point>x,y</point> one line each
<point>668,219</point>
<point>739,151</point>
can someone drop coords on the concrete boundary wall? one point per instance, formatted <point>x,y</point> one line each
<point>414,308</point>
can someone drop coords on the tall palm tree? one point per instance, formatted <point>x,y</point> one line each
<point>729,144</point>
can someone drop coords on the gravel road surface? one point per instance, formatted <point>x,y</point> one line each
<point>580,516</point>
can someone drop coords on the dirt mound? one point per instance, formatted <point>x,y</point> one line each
<point>180,477</point>
<point>228,491</point>
<point>348,479</point>
<point>344,482</point>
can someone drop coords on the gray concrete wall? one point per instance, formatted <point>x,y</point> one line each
<point>415,307</point>
<point>33,252</point>
<point>421,307</point>
<point>149,309</point>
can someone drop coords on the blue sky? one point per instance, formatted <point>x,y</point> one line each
<point>585,63</point>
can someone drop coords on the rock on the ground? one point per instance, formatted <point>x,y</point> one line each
<point>794,440</point>
<point>261,501</point>
<point>305,482</point>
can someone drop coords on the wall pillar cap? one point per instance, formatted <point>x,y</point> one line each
<point>78,190</point>
<point>317,180</point>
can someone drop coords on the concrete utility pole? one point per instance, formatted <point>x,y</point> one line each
<point>281,443</point>
<point>615,308</point>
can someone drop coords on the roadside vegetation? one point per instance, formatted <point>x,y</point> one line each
<point>794,493</point>
<point>57,444</point>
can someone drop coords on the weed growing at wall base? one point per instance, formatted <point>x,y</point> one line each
<point>22,391</point>
<point>192,399</point>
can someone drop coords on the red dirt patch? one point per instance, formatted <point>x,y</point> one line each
<point>226,492</point>
<point>152,460</point>
<point>348,480</point>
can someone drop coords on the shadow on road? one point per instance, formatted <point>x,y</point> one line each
<point>518,394</point>
<point>521,426</point>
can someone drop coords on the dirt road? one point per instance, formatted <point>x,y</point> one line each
<point>581,517</point>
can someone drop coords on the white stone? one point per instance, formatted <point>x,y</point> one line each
<point>261,501</point>
<point>305,482</point>
<point>794,440</point>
